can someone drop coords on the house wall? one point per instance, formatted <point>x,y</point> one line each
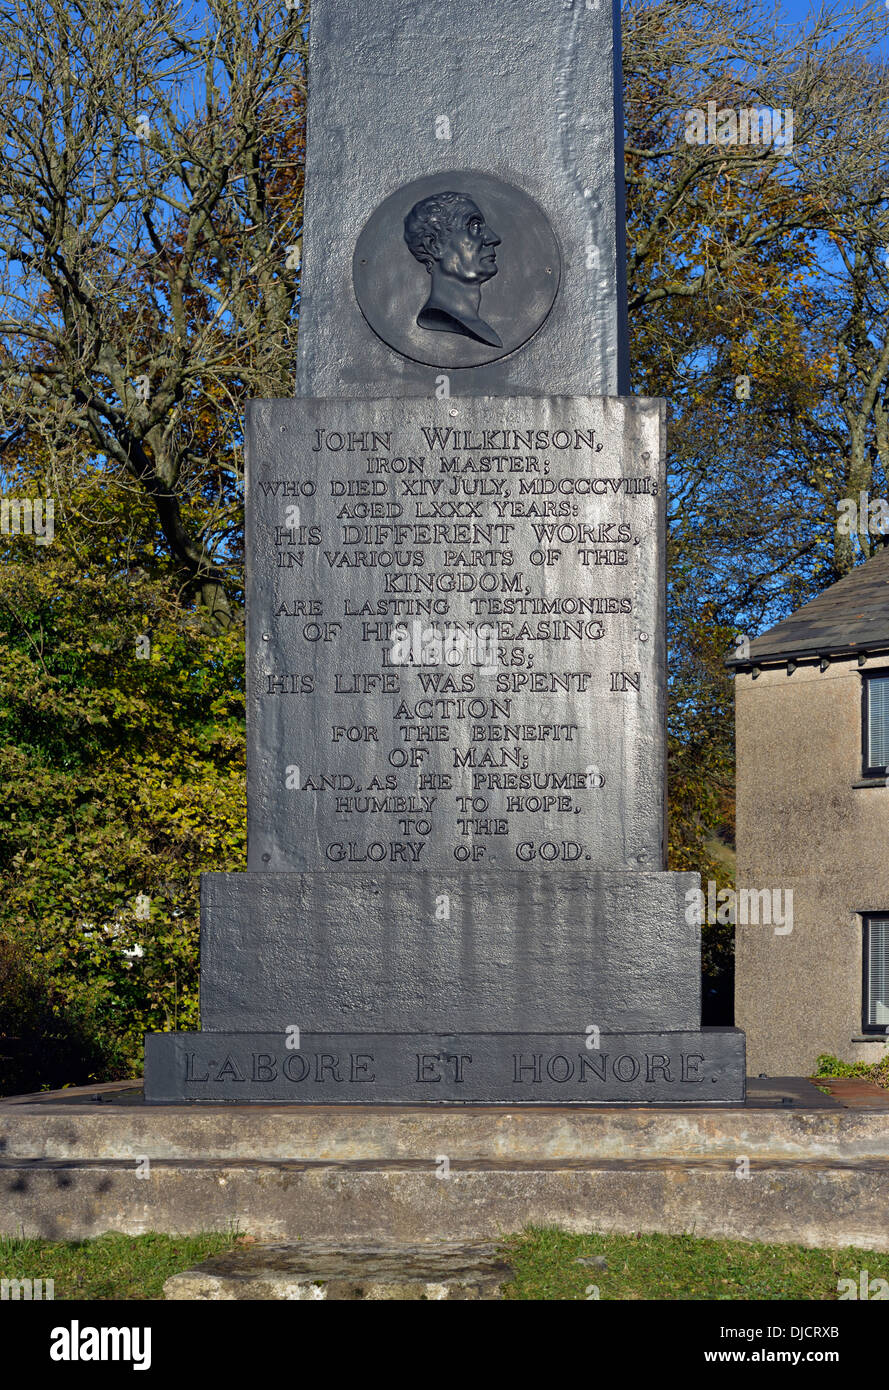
<point>803,825</point>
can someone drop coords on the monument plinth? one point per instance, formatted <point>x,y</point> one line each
<point>456,630</point>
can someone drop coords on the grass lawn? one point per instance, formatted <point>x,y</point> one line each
<point>110,1266</point>
<point>663,1268</point>
<point>679,1267</point>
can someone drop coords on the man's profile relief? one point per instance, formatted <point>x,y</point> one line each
<point>448,234</point>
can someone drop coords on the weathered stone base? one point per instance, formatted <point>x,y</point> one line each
<point>817,1204</point>
<point>446,1273</point>
<point>816,1174</point>
<point>701,1067</point>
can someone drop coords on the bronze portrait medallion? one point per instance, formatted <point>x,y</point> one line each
<point>456,269</point>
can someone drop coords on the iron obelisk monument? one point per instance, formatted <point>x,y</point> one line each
<point>455,888</point>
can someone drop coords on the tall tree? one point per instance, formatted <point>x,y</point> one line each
<point>121,779</point>
<point>758,311</point>
<point>150,224</point>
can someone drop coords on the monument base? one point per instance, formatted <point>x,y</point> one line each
<point>73,1166</point>
<point>532,952</point>
<point>703,1067</point>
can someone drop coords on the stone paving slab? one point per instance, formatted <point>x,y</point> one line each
<point>855,1093</point>
<point>446,1273</point>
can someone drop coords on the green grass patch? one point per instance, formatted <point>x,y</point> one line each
<point>658,1267</point>
<point>111,1266</point>
<point>668,1268</point>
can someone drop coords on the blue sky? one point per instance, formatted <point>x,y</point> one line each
<point>798,11</point>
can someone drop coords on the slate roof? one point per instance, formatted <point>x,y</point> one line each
<point>851,616</point>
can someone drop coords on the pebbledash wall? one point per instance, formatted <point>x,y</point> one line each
<point>813,818</point>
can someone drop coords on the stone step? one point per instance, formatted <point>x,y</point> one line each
<point>112,1123</point>
<point>358,1274</point>
<point>814,1202</point>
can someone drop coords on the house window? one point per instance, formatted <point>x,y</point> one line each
<point>876,974</point>
<point>876,724</point>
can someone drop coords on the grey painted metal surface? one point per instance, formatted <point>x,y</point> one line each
<point>514,952</point>
<point>529,93</point>
<point>704,1066</point>
<point>526,538</point>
